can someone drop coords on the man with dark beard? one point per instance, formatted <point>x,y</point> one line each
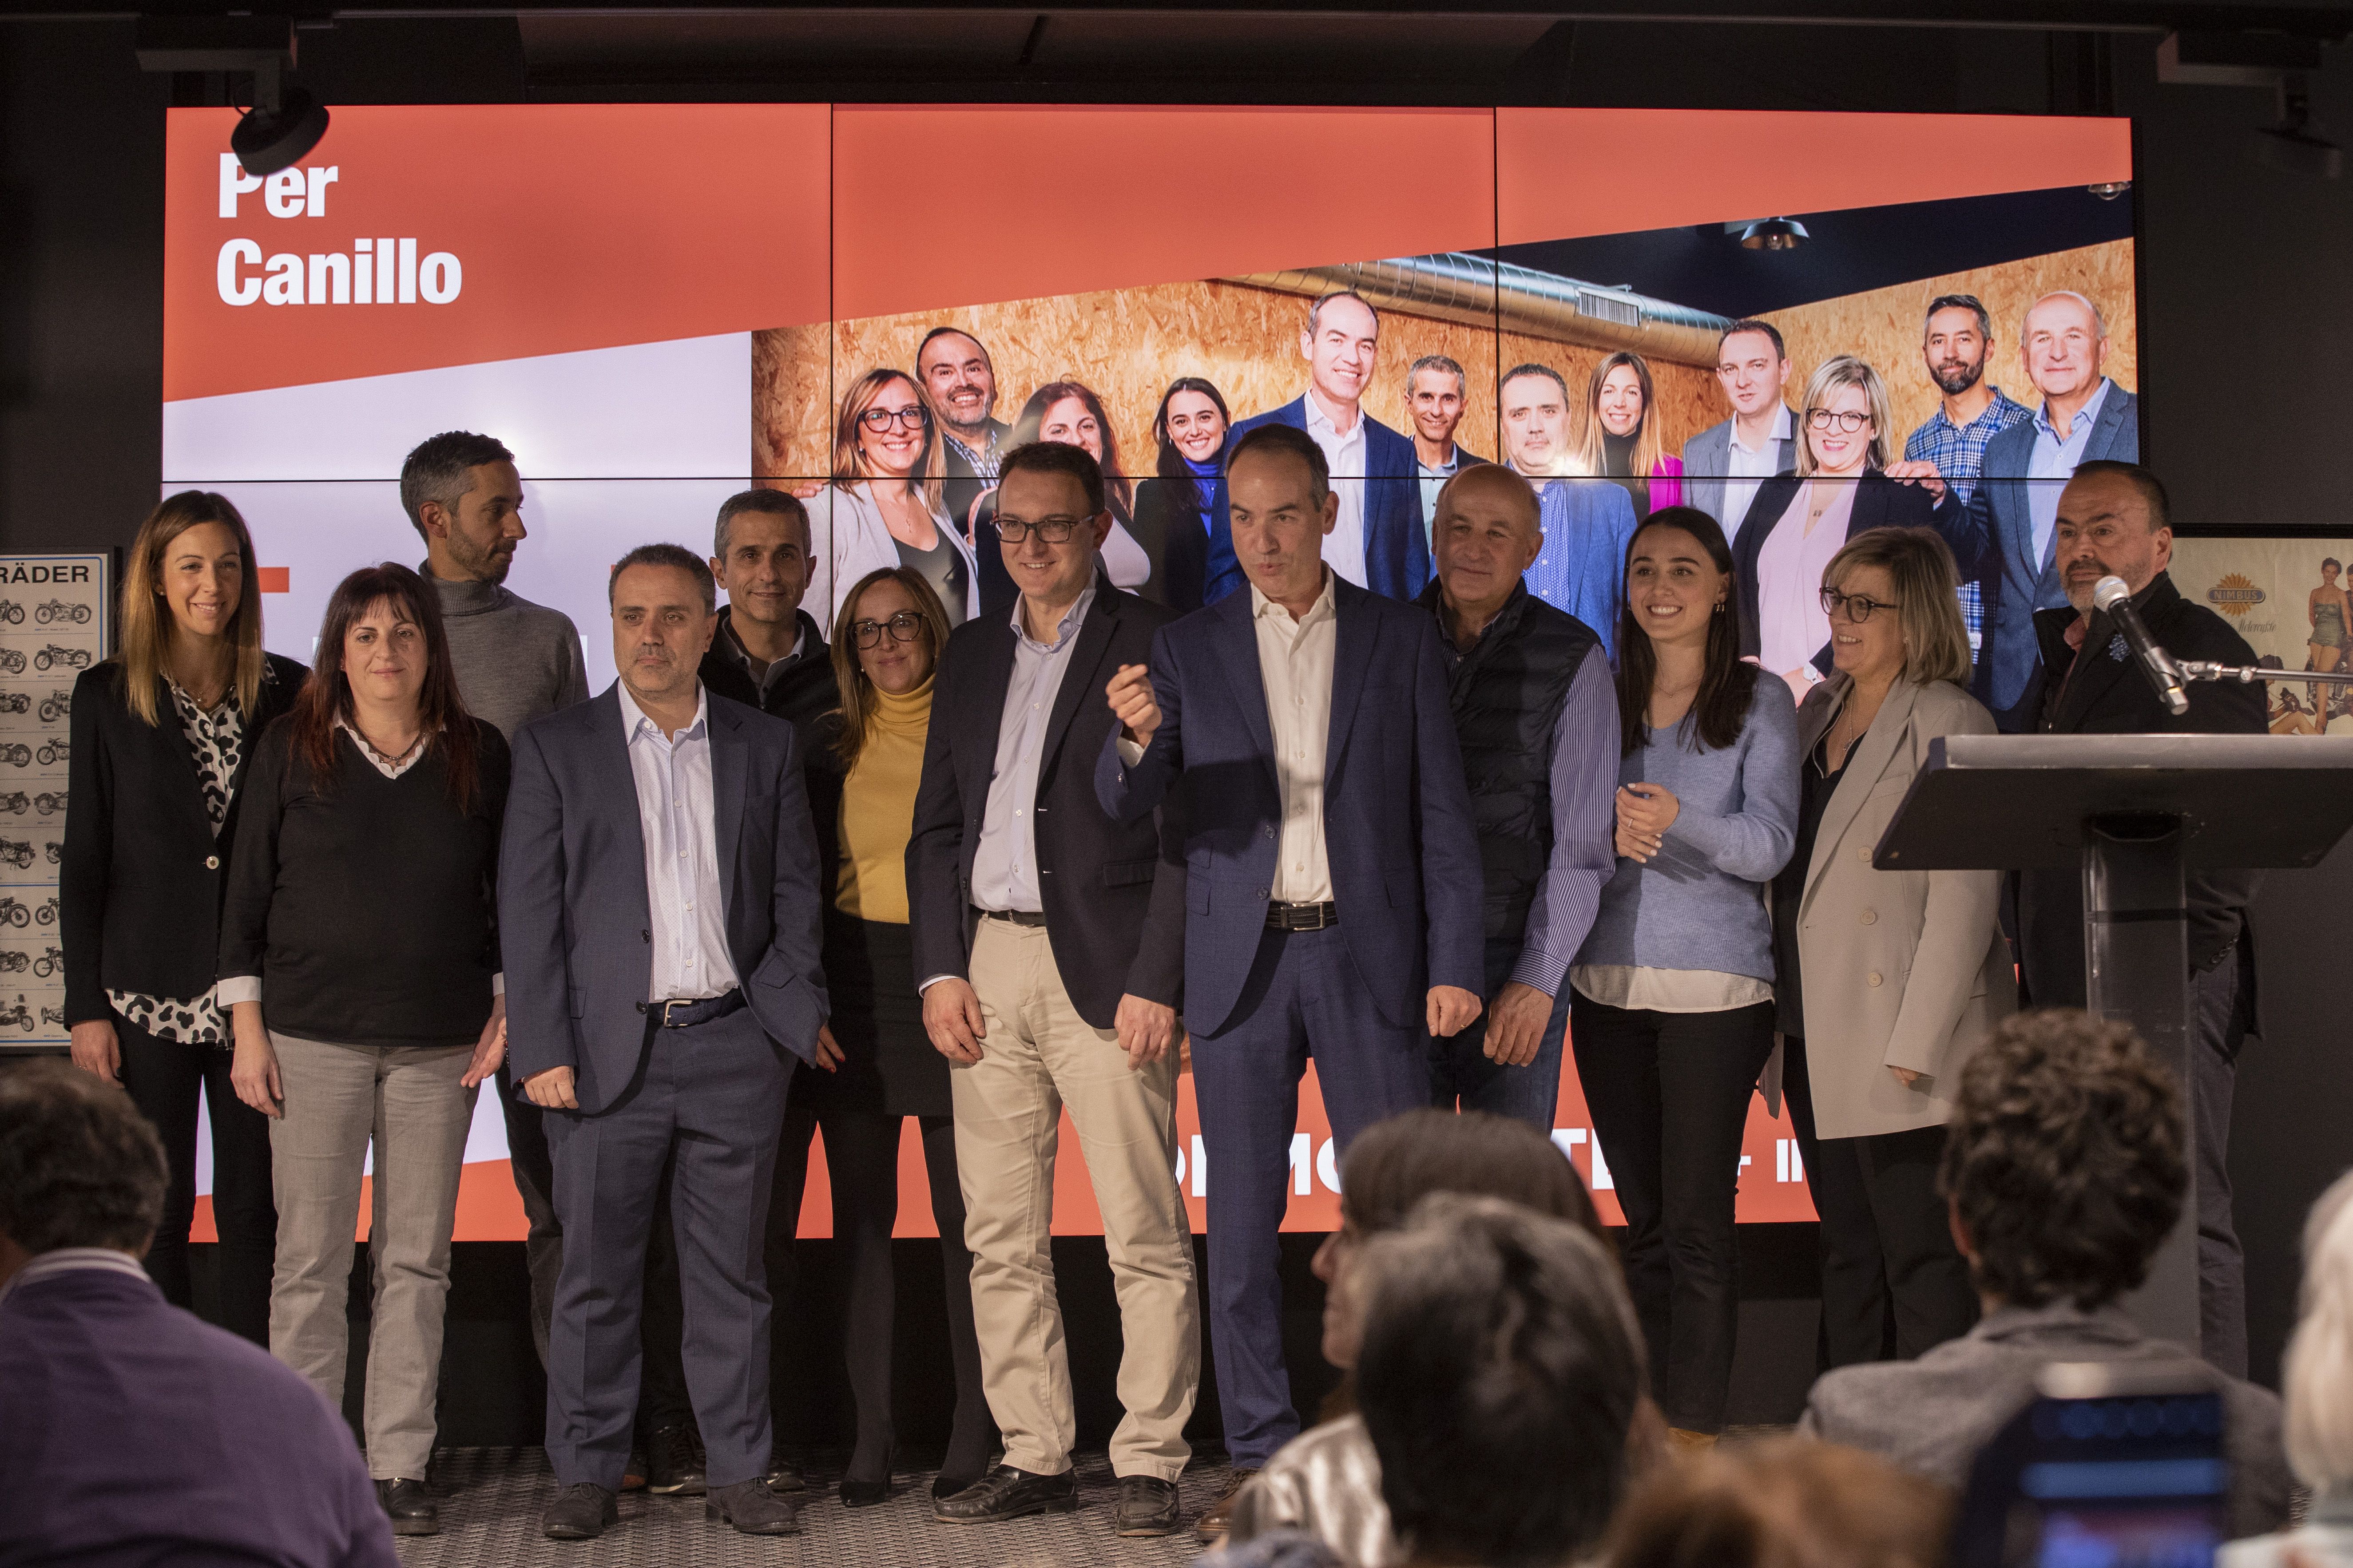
<point>1956,341</point>
<point>960,384</point>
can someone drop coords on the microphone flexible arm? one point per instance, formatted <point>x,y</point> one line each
<point>2247,674</point>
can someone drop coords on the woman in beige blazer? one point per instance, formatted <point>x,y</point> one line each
<point>1887,980</point>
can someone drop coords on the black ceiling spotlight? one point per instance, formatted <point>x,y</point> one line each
<point>2110,190</point>
<point>285,122</point>
<point>1773,233</point>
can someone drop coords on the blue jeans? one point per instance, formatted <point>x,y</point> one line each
<point>1460,1071</point>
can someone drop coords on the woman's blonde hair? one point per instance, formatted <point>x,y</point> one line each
<point>147,620</point>
<point>1927,606</point>
<point>2317,1376</point>
<point>849,466</point>
<point>858,694</point>
<point>1846,370</point>
<point>1646,446</point>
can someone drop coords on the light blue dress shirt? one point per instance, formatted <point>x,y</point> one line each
<point>1432,481</point>
<point>677,820</point>
<point>1005,863</point>
<point>1587,524</point>
<point>2053,463</point>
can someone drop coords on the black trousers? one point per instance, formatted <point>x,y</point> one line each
<point>1894,1285</point>
<point>1669,1093</point>
<point>164,1079</point>
<point>862,1154</point>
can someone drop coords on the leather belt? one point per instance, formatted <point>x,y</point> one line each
<point>685,1012</point>
<point>1032,918</point>
<point>1302,916</point>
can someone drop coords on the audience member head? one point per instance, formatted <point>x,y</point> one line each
<point>464,498</point>
<point>1618,399</point>
<point>1486,532</point>
<point>1889,594</point>
<point>884,432</point>
<point>1340,342</point>
<point>2063,1162</point>
<point>80,1166</point>
<point>760,555</point>
<point>1845,419</point>
<point>1395,1164</point>
<point>2113,521</point>
<point>1752,366</point>
<point>1498,1378</point>
<point>1787,1502</point>
<point>958,381</point>
<point>2063,343</point>
<point>1052,519</point>
<point>886,641</point>
<point>190,577</point>
<point>2317,1376</point>
<point>1280,500</point>
<point>382,649</point>
<point>1534,400</point>
<point>665,606</point>
<point>1436,393</point>
<point>1955,337</point>
<point>1679,594</point>
<point>1070,413</point>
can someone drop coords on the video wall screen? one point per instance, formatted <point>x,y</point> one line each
<point>657,305</point>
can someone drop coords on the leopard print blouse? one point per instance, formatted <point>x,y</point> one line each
<point>217,739</point>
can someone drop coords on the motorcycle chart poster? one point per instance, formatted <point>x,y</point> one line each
<point>54,623</point>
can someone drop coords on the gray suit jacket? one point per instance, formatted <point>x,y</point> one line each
<point>1707,458</point>
<point>1931,1416</point>
<point>573,899</point>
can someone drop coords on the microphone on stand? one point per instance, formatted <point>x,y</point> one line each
<point>2111,595</point>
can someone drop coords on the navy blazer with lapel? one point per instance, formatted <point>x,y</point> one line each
<point>1115,903</point>
<point>1995,540</point>
<point>1397,552</point>
<point>1399,839</point>
<point>574,920</point>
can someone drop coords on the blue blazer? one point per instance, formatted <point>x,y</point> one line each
<point>1995,540</point>
<point>572,892</point>
<point>1397,552</point>
<point>1397,813</point>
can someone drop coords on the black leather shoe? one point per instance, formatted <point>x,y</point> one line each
<point>412,1512</point>
<point>754,1510</point>
<point>784,1478</point>
<point>674,1462</point>
<point>1147,1506</point>
<point>580,1512</point>
<point>1008,1493</point>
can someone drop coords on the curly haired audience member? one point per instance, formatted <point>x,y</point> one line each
<point>2064,1168</point>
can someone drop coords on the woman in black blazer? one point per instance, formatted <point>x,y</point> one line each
<point>1799,520</point>
<point>160,732</point>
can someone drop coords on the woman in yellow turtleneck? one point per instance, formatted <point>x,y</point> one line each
<point>864,764</point>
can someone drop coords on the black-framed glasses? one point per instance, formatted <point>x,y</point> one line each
<point>1858,608</point>
<point>1827,419</point>
<point>904,626</point>
<point>914,416</point>
<point>1052,530</point>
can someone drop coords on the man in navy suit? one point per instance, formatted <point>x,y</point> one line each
<point>2006,537</point>
<point>658,913</point>
<point>1376,540</point>
<point>1333,882</point>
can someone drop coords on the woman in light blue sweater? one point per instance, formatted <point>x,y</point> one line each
<point>1673,1012</point>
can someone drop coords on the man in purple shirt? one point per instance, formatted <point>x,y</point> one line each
<point>131,1430</point>
<point>1536,714</point>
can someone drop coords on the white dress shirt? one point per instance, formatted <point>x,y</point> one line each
<point>1294,661</point>
<point>676,817</point>
<point>1005,862</point>
<point>1745,471</point>
<point>1343,547</point>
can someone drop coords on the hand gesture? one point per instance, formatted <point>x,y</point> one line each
<point>828,1053</point>
<point>1515,1025</point>
<point>1905,1075</point>
<point>1132,700</point>
<point>1645,812</point>
<point>1918,471</point>
<point>552,1090</point>
<point>253,1067</point>
<point>1147,1030</point>
<point>1451,1010</point>
<point>96,1050</point>
<point>952,1018</point>
<point>492,1048</point>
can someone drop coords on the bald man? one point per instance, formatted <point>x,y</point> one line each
<point>1536,714</point>
<point>2006,536</point>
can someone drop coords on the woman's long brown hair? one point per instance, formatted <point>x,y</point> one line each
<point>1117,486</point>
<point>327,695</point>
<point>857,696</point>
<point>1726,685</point>
<point>147,621</point>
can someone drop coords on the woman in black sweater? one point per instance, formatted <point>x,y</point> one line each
<point>361,925</point>
<point>161,734</point>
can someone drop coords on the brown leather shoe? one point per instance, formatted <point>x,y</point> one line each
<point>1218,1517</point>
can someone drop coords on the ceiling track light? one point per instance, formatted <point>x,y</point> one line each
<point>1773,233</point>
<point>285,120</point>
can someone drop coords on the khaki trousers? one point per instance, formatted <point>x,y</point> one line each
<point>1039,1057</point>
<point>410,1103</point>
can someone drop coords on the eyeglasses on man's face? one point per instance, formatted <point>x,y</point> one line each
<point>904,626</point>
<point>914,416</point>
<point>1857,608</point>
<point>1847,420</point>
<point>1052,530</point>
